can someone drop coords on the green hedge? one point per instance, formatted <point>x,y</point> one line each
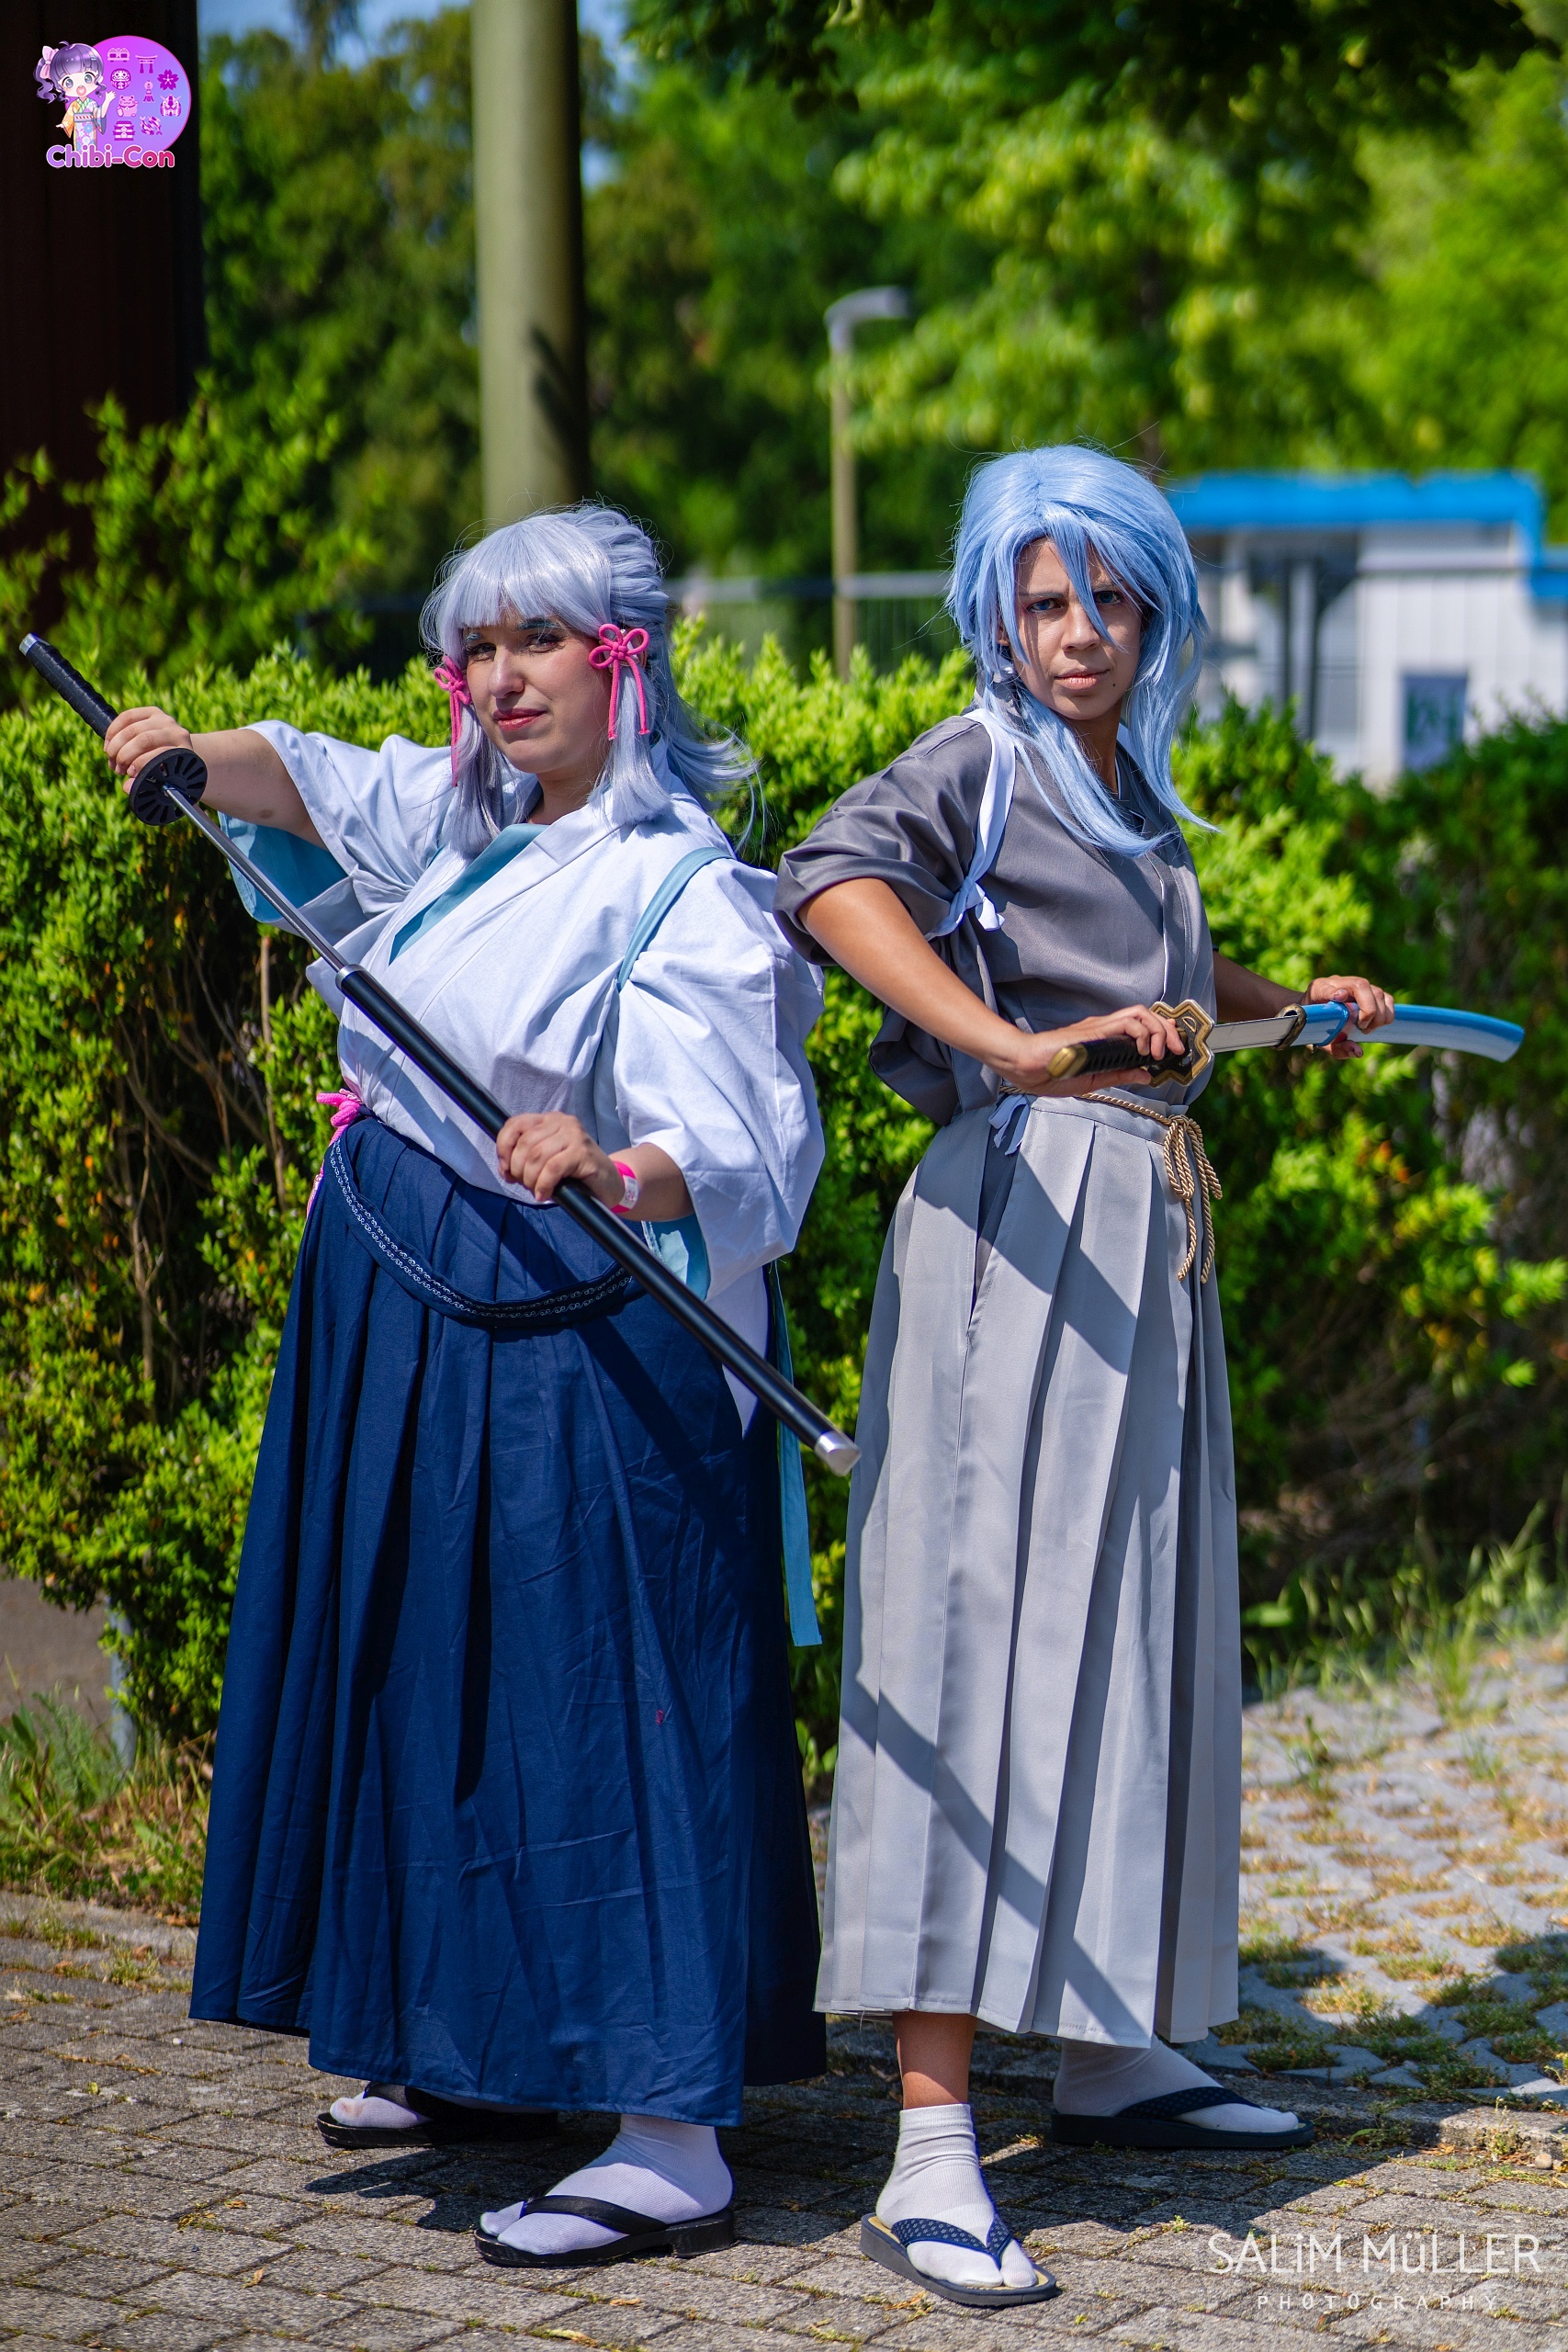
<point>1389,1237</point>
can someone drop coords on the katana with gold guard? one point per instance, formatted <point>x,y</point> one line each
<point>1298,1024</point>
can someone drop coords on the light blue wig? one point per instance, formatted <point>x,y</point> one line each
<point>582,566</point>
<point>1081,500</point>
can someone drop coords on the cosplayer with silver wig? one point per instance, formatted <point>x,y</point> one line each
<point>597,571</point>
<point>1036,1812</point>
<point>507,1810</point>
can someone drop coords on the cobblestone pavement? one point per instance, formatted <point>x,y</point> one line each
<point>163,2188</point>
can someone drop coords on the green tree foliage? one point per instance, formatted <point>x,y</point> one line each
<point>339,230</point>
<point>1185,60</point>
<point>1141,288</point>
<point>1396,1342</point>
<point>205,540</point>
<point>714,245</point>
<point>1459,354</point>
<point>1167,198</point>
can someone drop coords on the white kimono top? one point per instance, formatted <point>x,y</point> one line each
<point>514,969</point>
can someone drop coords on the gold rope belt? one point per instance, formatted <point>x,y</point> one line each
<point>1191,1177</point>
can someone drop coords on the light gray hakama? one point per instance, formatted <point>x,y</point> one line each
<point>1036,1817</point>
<point>1037,1803</point>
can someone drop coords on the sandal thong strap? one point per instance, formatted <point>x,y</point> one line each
<point>594,2209</point>
<point>1179,2103</point>
<point>995,2241</point>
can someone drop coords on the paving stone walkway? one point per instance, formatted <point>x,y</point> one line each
<point>163,2188</point>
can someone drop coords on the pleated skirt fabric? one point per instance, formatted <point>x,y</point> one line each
<point>1036,1814</point>
<point>507,1800</point>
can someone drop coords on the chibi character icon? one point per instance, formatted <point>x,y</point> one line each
<point>74,72</point>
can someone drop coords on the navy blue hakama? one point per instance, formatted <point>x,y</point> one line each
<point>507,1801</point>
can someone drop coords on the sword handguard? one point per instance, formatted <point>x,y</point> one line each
<point>168,771</point>
<point>180,771</point>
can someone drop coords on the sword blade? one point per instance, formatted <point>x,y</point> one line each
<point>1413,1024</point>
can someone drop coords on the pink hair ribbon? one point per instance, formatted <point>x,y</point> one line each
<point>619,648</point>
<point>453,683</point>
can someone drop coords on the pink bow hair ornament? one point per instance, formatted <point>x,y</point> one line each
<point>455,686</point>
<point>621,649</point>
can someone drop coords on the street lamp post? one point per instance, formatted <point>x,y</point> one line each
<point>843,317</point>
<point>528,238</point>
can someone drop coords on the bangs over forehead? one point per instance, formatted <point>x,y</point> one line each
<point>1077,553</point>
<point>514,576</point>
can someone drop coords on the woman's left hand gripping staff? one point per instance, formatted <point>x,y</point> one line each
<point>542,1148</point>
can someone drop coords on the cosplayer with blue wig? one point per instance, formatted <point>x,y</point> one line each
<point>1036,1812</point>
<point>507,1810</point>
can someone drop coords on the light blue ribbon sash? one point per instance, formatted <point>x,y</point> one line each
<point>681,1245</point>
<point>500,852</point>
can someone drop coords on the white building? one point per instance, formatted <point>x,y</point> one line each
<point>1397,612</point>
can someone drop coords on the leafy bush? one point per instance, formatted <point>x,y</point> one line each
<point>1388,1238</point>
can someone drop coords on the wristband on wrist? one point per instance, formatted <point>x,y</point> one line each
<point>633,1192</point>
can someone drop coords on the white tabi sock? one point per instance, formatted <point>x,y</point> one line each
<point>936,2177</point>
<point>1094,2078</point>
<point>381,2105</point>
<point>673,2172</point>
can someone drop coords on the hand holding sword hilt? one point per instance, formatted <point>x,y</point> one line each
<point>181,770</point>
<point>1089,1057</point>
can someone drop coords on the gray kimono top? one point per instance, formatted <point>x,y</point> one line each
<point>1082,930</point>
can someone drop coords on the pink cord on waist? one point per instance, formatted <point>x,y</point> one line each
<point>347,1107</point>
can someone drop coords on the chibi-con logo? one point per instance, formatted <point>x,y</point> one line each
<point>126,101</point>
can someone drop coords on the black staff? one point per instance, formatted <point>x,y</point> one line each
<point>169,786</point>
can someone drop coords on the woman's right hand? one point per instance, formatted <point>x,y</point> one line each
<point>136,735</point>
<point>1027,1065</point>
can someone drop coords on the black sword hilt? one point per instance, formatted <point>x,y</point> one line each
<point>180,771</point>
<point>1102,1055</point>
<point>1091,1057</point>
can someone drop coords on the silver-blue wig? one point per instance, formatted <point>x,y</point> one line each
<point>582,566</point>
<point>1081,501</point>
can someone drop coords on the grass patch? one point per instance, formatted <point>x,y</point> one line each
<point>1275,2042</point>
<point>1543,1957</point>
<point>1281,1959</point>
<point>74,1824</point>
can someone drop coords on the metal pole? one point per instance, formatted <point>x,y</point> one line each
<point>529,255</point>
<point>846,551</point>
<point>843,317</point>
